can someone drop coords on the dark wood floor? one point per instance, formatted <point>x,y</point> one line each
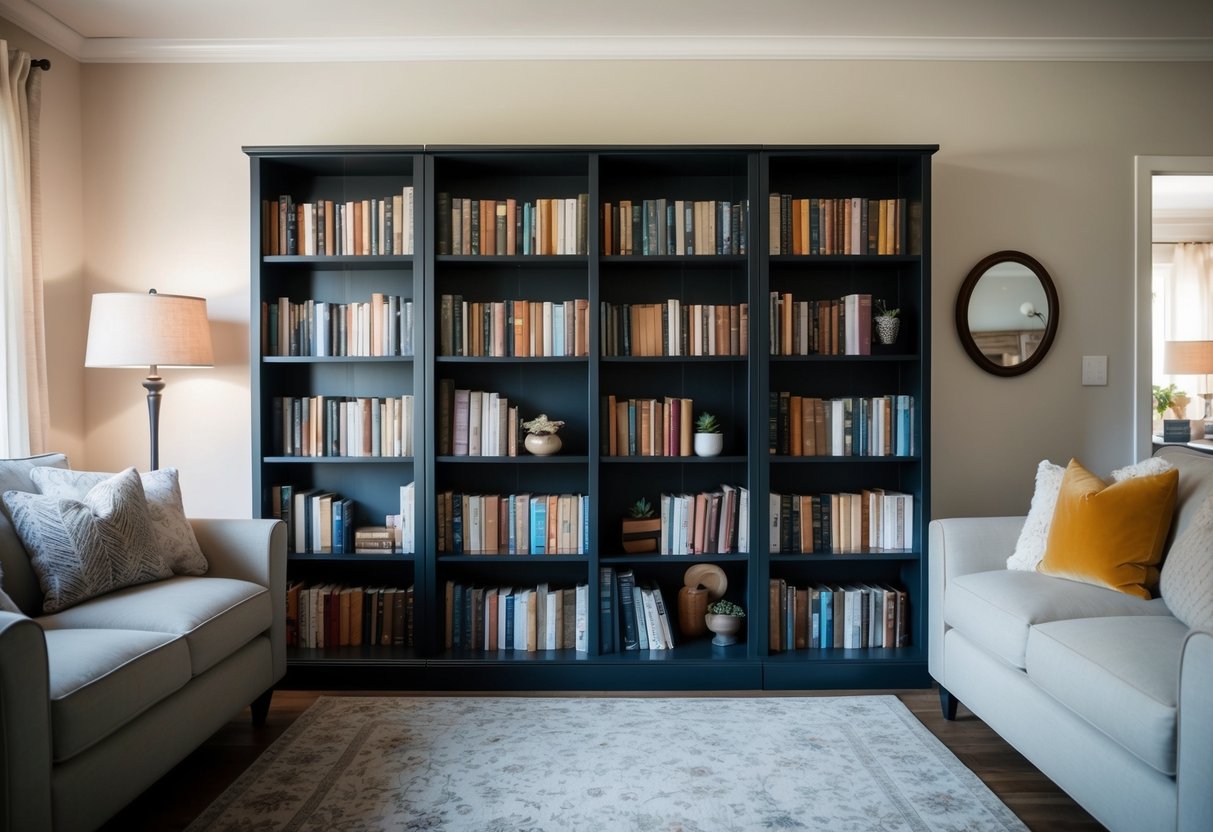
<point>182,794</point>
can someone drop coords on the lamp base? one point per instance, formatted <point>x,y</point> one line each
<point>154,384</point>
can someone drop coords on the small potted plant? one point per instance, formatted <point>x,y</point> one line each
<point>1168,398</point>
<point>709,441</point>
<point>724,619</point>
<point>641,528</point>
<point>541,438</point>
<point>888,324</point>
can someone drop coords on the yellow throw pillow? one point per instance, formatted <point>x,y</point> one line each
<point>1110,535</point>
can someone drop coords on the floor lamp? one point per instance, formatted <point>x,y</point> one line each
<point>1190,358</point>
<point>129,329</point>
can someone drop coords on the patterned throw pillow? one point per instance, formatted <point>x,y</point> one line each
<point>1187,573</point>
<point>171,531</point>
<point>82,549</point>
<point>1034,536</point>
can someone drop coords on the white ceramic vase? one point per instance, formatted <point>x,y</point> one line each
<point>726,628</point>
<point>709,444</point>
<point>544,444</point>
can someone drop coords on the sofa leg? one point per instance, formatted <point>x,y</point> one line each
<point>261,708</point>
<point>947,704</point>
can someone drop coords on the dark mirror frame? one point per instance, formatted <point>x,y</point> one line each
<point>962,313</point>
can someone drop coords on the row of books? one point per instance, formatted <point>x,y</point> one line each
<point>379,225</point>
<point>319,426</point>
<point>715,522</point>
<point>821,327</point>
<point>647,427</point>
<point>674,328</point>
<point>524,619</point>
<point>382,326</point>
<point>322,521</point>
<point>848,616</point>
<point>335,615</point>
<point>872,520</point>
<point>511,226</point>
<point>513,524</point>
<point>675,226</point>
<point>522,328</point>
<point>846,426</point>
<point>476,422</point>
<point>644,621</point>
<point>838,225</point>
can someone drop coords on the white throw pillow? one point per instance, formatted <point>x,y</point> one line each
<point>171,531</point>
<point>1187,573</point>
<point>84,548</point>
<point>1030,547</point>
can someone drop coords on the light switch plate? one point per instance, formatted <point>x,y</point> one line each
<point>1094,370</point>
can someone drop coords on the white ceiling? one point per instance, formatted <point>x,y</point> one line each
<point>260,30</point>
<point>1182,208</point>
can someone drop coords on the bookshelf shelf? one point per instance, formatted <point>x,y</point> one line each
<point>351,557</point>
<point>557,198</point>
<point>337,359</point>
<point>682,561</point>
<point>336,460</point>
<point>345,261</point>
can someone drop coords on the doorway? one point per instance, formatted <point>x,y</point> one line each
<point>1174,208</point>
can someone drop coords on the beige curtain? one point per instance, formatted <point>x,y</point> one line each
<point>25,418</point>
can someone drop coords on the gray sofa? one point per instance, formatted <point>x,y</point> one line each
<point>99,700</point>
<point>1109,695</point>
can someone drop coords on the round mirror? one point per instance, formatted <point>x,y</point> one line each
<point>1007,313</point>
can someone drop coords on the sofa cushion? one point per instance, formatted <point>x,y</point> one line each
<point>171,531</point>
<point>216,615</point>
<point>996,609</point>
<point>1120,674</point>
<point>1110,535</point>
<point>84,548</point>
<point>1187,574</point>
<point>20,582</point>
<point>102,679</point>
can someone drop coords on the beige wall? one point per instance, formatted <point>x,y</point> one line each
<point>1037,157</point>
<point>62,241</point>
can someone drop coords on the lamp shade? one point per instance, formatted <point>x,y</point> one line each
<point>1187,358</point>
<point>130,329</point>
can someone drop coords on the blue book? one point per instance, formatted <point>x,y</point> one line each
<point>527,227</point>
<point>827,617</point>
<point>585,525</point>
<point>539,527</point>
<point>606,605</point>
<point>557,328</point>
<point>512,545</point>
<point>457,618</point>
<point>457,524</point>
<point>509,623</point>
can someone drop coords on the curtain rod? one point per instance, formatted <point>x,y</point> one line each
<point>43,64</point>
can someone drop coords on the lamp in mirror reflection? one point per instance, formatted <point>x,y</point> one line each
<point>1028,310</point>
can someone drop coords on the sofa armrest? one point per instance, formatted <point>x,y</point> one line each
<point>25,726</point>
<point>1194,767</point>
<point>255,551</point>
<point>960,546</point>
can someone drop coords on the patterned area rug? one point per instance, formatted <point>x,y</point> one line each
<point>668,765</point>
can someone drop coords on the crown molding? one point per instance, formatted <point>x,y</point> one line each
<point>600,48</point>
<point>44,27</point>
<point>748,48</point>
